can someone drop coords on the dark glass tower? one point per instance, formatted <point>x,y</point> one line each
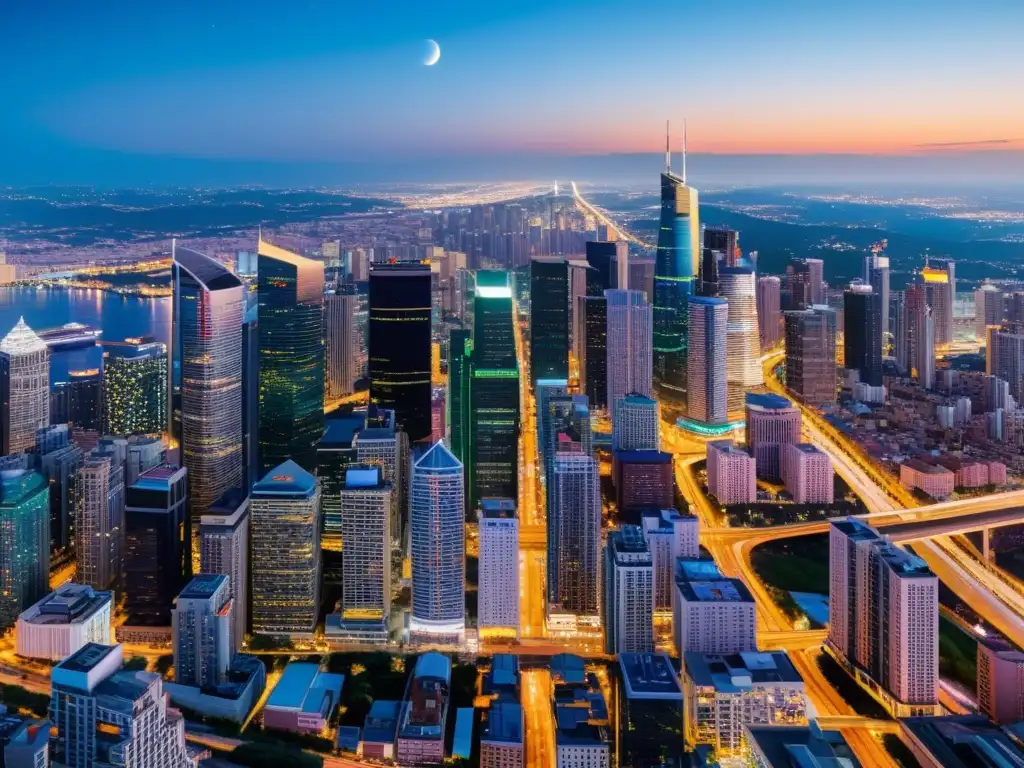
<point>601,257</point>
<point>460,348</point>
<point>674,271</point>
<point>400,344</point>
<point>862,332</point>
<point>291,357</point>
<point>594,362</point>
<point>79,400</point>
<point>549,319</point>
<point>493,468</point>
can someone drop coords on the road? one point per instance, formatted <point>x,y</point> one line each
<point>540,729</point>
<point>602,217</point>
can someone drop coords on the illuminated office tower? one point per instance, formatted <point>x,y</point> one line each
<point>135,378</point>
<point>628,345</point>
<point>549,319</point>
<point>335,453</point>
<point>1005,359</point>
<point>773,422</point>
<point>581,274</point>
<point>493,466</point>
<point>574,538</point>
<point>674,272</point>
<point>547,390</point>
<point>78,401</point>
<point>567,427</point>
<point>366,531</point>
<point>24,388</point>
<point>24,542</point>
<point>593,361</point>
<point>499,567</point>
<point>724,241</point>
<point>202,631</point>
<point>876,274</point>
<point>58,460</point>
<point>940,291</point>
<point>250,392</point>
<point>284,508</point>
<point>884,617</point>
<point>340,337</point>
<point>628,597</point>
<point>209,303</point>
<point>438,543</point>
<point>157,560</point>
<point>811,354</point>
<point>743,345</point>
<point>988,309</point>
<point>862,332</point>
<point>769,315</point>
<point>805,283</point>
<point>100,520</point>
<point>224,548</point>
<point>291,356</point>
<point>399,347</point>
<point>920,336</point>
<point>637,424</point>
<point>706,360</point>
<point>460,348</point>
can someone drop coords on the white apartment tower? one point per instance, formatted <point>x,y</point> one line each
<point>637,424</point>
<point>499,567</point>
<point>224,548</point>
<point>628,592</point>
<point>732,473</point>
<point>366,532</point>
<point>706,369</point>
<point>99,520</point>
<point>808,474</point>
<point>670,535</point>
<point>203,631</point>
<point>629,344</point>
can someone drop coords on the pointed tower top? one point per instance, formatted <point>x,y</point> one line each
<point>668,152</point>
<point>22,340</point>
<point>684,151</point>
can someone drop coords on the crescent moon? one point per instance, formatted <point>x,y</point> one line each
<point>433,53</point>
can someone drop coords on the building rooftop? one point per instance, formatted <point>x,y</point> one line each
<point>22,340</point>
<point>208,272</point>
<point>568,668</point>
<point>728,447</point>
<point>902,562</point>
<point>495,507</point>
<point>808,448</point>
<point>381,723</point>
<point>927,469</point>
<point>965,741</point>
<point>287,479</point>
<point>339,433</point>
<point>504,670</point>
<point>801,746</point>
<point>159,478</point>
<point>462,741</point>
<point>203,586</point>
<point>364,476</point>
<point>629,540</point>
<point>68,604</point>
<point>375,433</point>
<point>634,398</point>
<point>304,688</point>
<point>504,723</point>
<point>697,569</point>
<point>229,503</point>
<point>715,591</point>
<point>855,529</point>
<point>731,673</point>
<point>643,457</point>
<point>17,485</point>
<point>438,458</point>
<point>711,300</point>
<point>650,676</point>
<point>433,665</point>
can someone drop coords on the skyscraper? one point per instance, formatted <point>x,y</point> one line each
<point>743,344</point>
<point>58,460</point>
<point>498,610</point>
<point>399,348</point>
<point>224,548</point>
<point>291,356</point>
<point>593,311</point>
<point>549,319</point>
<point>769,316</point>
<point>340,336</point>
<point>602,257</point>
<point>988,308</point>
<point>366,531</point>
<point>135,379</point>
<point>79,400</point>
<point>24,388</point>
<point>805,283</point>
<point>920,335</point>
<point>876,274</point>
<point>203,631</point>
<point>637,424</point>
<point>940,291</point>
<point>24,542</point>
<point>574,538</point>
<point>438,543</point>
<point>706,360</point>
<point>285,512</point>
<point>674,273</point>
<point>388,448</point>
<point>250,393</point>
<point>724,241</point>
<point>100,520</point>
<point>1005,359</point>
<point>811,354</point>
<point>460,348</point>
<point>209,302</point>
<point>862,332</point>
<point>628,598</point>
<point>335,453</point>
<point>628,345</point>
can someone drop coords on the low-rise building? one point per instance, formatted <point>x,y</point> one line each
<point>421,730</point>
<point>581,715</point>
<point>966,741</point>
<point>25,743</point>
<point>937,482</point>
<point>230,699</point>
<point>650,707</point>
<point>303,699</point>
<point>501,742</point>
<point>797,746</point>
<point>725,693</point>
<point>62,622</point>
<point>380,729</point>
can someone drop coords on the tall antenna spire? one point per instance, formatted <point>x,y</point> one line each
<point>668,152</point>
<point>684,150</point>
<point>174,248</point>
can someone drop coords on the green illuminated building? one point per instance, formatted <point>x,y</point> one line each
<point>460,347</point>
<point>24,542</point>
<point>135,380</point>
<point>291,357</point>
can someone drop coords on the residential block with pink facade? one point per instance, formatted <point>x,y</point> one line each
<point>732,477</point>
<point>808,474</point>
<point>936,481</point>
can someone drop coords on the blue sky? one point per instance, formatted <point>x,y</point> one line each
<point>109,83</point>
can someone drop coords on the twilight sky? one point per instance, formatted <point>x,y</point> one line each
<point>92,87</point>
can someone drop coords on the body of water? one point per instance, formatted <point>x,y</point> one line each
<point>117,316</point>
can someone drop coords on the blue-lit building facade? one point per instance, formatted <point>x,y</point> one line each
<point>674,272</point>
<point>24,542</point>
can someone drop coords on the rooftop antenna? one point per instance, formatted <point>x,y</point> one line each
<point>668,153</point>
<point>174,248</point>
<point>684,150</point>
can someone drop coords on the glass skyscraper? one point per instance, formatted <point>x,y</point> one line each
<point>24,388</point>
<point>135,379</point>
<point>399,349</point>
<point>24,542</point>
<point>674,271</point>
<point>549,320</point>
<point>291,356</point>
<point>209,304</point>
<point>460,347</point>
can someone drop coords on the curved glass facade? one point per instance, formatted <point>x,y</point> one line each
<point>674,271</point>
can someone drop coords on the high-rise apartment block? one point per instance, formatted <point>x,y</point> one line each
<point>988,309</point>
<point>920,342</point>
<point>712,614</point>
<point>284,509</point>
<point>341,339</point>
<point>805,283</point>
<point>773,422</point>
<point>743,344</point>
<point>24,542</point>
<point>670,536</point>
<point>1000,686</point>
<point>637,424</point>
<point>574,537</point>
<point>706,362</point>
<point>24,388</point>
<point>224,549</point>
<point>438,543</point>
<point>79,401</point>
<point>876,274</point>
<point>769,311</point>
<point>366,565</point>
<point>628,345</point>
<point>203,635</point>
<point>100,520</point>
<point>811,354</point>
<point>380,444</point>
<point>883,617</point>
<point>628,597</point>
<point>940,290</point>
<point>593,355</point>
<point>732,473</point>
<point>498,609</point>
<point>808,474</point>
<point>58,460</point>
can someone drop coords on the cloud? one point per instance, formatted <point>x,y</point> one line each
<point>966,144</point>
